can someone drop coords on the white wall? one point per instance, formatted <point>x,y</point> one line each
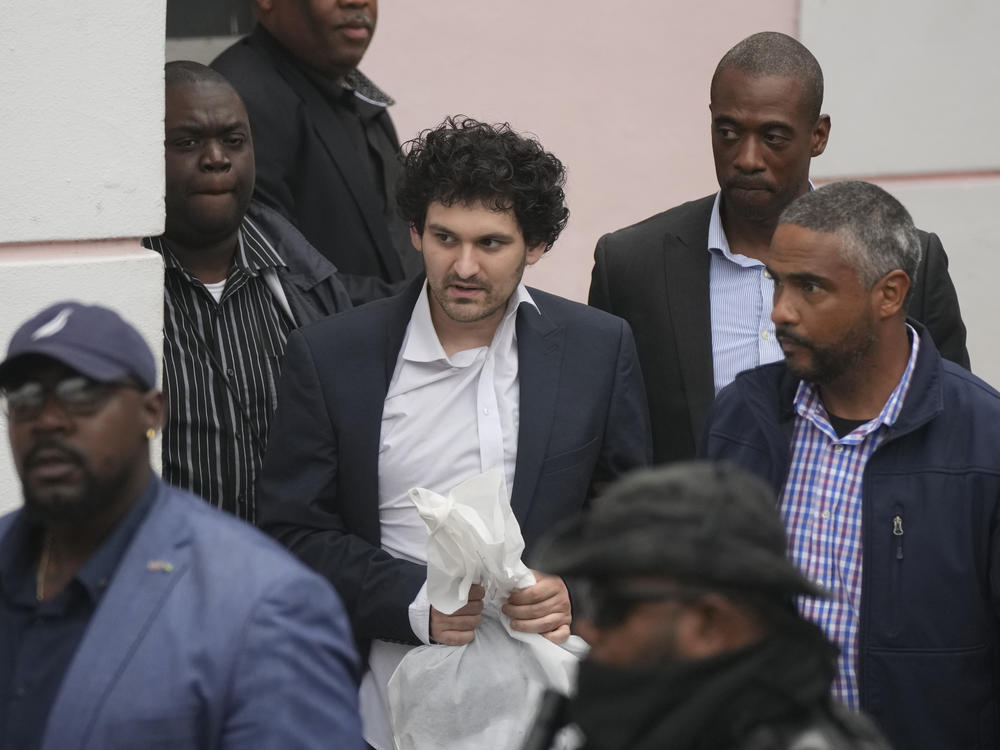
<point>963,213</point>
<point>81,101</point>
<point>911,86</point>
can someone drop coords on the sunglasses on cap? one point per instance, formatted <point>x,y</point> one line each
<point>76,395</point>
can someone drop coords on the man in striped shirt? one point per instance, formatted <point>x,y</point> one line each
<point>238,279</point>
<point>885,457</point>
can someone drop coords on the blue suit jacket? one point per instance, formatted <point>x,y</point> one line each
<point>235,646</point>
<point>583,422</point>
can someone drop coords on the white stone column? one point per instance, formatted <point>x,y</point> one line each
<point>81,154</point>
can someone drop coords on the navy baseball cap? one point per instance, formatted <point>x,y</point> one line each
<point>93,340</point>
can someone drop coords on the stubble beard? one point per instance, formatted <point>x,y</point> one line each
<point>829,364</point>
<point>68,508</point>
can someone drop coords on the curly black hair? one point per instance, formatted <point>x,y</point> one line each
<point>466,161</point>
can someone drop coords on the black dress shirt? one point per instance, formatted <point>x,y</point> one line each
<point>221,363</point>
<point>38,639</point>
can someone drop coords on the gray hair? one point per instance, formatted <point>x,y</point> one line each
<point>771,53</point>
<point>878,233</point>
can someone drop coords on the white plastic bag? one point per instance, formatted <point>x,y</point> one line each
<point>484,695</point>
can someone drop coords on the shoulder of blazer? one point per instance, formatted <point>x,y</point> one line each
<point>252,65</point>
<point>688,221</point>
<point>357,332</point>
<point>566,312</point>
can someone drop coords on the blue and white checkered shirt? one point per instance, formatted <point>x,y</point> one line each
<point>742,294</point>
<point>821,508</point>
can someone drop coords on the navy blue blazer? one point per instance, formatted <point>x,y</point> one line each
<point>583,422</point>
<point>224,641</point>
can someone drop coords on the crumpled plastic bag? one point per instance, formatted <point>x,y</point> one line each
<point>483,695</point>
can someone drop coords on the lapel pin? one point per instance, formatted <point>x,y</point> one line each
<point>159,566</point>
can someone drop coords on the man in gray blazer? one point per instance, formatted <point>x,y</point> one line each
<point>692,281</point>
<point>132,614</point>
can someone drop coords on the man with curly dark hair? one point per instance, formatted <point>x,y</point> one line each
<point>464,372</point>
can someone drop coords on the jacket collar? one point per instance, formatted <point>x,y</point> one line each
<point>154,562</point>
<point>770,390</point>
<point>686,275</point>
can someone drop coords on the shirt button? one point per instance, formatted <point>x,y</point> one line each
<point>486,411</point>
<point>765,335</point>
<point>826,515</point>
<point>230,372</point>
<point>767,274</point>
<point>838,449</point>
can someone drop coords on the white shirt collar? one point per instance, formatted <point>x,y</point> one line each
<point>422,344</point>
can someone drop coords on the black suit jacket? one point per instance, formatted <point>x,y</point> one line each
<point>308,169</point>
<point>583,422</point>
<point>655,274</point>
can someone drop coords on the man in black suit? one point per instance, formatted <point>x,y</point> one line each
<point>692,281</point>
<point>326,148</point>
<point>467,371</point>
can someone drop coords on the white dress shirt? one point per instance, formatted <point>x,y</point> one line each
<point>445,419</point>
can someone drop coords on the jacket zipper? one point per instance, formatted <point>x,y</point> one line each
<point>896,574</point>
<point>897,531</point>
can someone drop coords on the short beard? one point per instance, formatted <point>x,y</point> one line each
<point>831,363</point>
<point>73,509</point>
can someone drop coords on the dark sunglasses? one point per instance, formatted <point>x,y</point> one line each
<point>609,603</point>
<point>76,395</point>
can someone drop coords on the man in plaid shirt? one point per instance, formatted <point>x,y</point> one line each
<point>885,457</point>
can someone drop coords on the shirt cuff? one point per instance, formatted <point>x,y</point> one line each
<point>420,616</point>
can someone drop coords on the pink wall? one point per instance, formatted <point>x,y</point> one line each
<point>618,91</point>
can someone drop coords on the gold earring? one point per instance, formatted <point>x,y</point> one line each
<point>150,433</point>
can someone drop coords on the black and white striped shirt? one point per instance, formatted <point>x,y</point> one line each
<point>221,362</point>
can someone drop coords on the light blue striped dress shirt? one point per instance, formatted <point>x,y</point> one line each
<point>742,294</point>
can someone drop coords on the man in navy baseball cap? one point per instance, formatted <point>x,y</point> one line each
<point>100,569</point>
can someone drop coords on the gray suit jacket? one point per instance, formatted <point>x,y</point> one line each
<point>209,636</point>
<point>655,274</point>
